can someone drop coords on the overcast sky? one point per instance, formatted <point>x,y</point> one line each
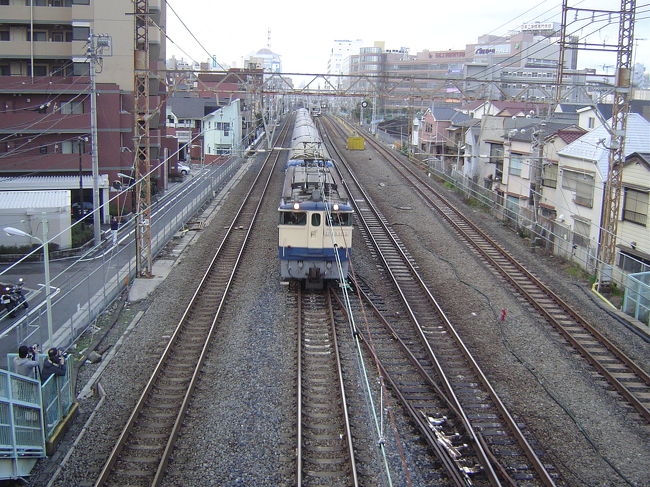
<point>303,32</point>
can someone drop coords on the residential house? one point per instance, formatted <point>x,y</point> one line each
<point>185,114</point>
<point>633,233</point>
<point>438,138</point>
<point>583,168</point>
<point>222,132</point>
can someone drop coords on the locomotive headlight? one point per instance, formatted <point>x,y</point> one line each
<point>335,207</point>
<point>296,206</point>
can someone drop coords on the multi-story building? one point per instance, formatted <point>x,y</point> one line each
<point>45,90</point>
<point>184,115</point>
<point>222,132</point>
<point>521,65</point>
<point>338,62</point>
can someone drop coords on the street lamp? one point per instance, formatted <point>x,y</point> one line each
<point>15,232</point>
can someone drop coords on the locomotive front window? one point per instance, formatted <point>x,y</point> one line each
<point>340,219</point>
<point>315,219</point>
<point>293,218</point>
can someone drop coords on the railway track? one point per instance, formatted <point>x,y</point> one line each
<point>324,450</point>
<point>621,373</point>
<point>501,447</point>
<point>141,453</point>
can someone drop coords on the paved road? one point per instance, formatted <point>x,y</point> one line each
<point>82,287</point>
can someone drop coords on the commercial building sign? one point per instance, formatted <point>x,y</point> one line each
<point>538,26</point>
<point>448,54</point>
<point>490,50</point>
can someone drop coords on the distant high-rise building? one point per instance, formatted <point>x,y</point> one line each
<point>338,62</point>
<point>264,59</point>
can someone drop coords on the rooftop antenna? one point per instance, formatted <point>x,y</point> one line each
<point>268,38</point>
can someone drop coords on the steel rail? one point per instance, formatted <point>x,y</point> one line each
<point>529,452</point>
<point>184,327</point>
<point>322,385</point>
<point>639,398</point>
<point>450,465</point>
<point>449,392</point>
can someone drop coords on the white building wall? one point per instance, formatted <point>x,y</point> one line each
<point>25,211</point>
<point>638,177</point>
<point>215,137</point>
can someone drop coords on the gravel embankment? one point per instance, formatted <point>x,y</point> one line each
<point>582,428</point>
<point>239,427</point>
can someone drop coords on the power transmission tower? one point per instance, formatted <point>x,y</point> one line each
<point>142,163</point>
<point>620,109</point>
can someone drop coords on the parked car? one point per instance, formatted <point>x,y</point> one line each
<point>79,212</point>
<point>182,168</point>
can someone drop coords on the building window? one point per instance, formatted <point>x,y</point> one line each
<point>80,33</point>
<point>4,35</point>
<point>73,147</point>
<point>72,107</point>
<point>581,184</point>
<point>81,2</point>
<point>42,149</point>
<point>581,233</point>
<point>549,175</point>
<point>632,263</point>
<point>635,206</point>
<point>4,2</point>
<point>37,35</point>
<point>591,122</point>
<point>57,36</point>
<point>40,70</point>
<point>496,158</point>
<point>515,164</point>
<point>81,69</point>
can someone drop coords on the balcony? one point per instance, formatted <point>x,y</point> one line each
<point>44,49</point>
<point>31,122</point>
<point>22,14</point>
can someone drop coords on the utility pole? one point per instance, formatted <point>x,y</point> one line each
<point>97,47</point>
<point>536,176</point>
<point>142,163</point>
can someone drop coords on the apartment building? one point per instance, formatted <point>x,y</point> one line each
<point>45,90</point>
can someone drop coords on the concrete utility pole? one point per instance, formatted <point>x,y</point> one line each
<point>536,176</point>
<point>142,163</point>
<point>98,46</point>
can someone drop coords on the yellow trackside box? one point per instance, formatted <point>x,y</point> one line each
<point>356,143</point>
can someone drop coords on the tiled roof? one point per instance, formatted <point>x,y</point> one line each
<point>592,146</point>
<point>569,135</point>
<point>191,107</point>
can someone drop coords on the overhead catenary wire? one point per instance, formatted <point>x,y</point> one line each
<point>211,56</point>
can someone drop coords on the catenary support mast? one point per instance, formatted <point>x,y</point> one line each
<point>142,163</point>
<point>620,109</point>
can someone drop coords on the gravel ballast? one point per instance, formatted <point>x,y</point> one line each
<point>239,426</point>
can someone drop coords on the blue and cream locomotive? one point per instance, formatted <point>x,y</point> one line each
<point>315,227</point>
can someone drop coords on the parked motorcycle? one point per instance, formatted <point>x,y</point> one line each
<point>13,298</point>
